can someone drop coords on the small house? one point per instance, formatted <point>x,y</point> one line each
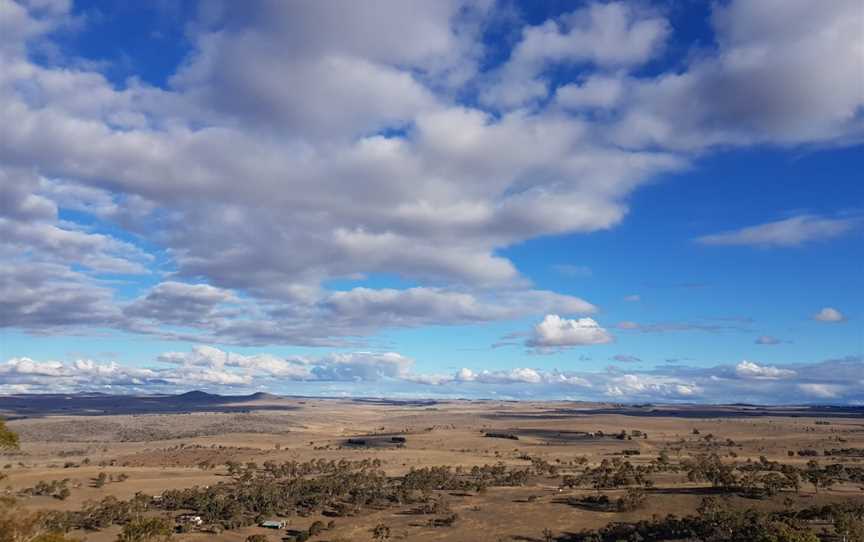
<point>191,519</point>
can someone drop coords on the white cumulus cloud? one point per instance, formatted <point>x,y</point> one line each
<point>829,314</point>
<point>748,369</point>
<point>557,332</point>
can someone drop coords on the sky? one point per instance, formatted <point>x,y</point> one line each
<point>602,201</point>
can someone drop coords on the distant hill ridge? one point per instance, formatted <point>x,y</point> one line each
<point>199,396</point>
<point>100,404</point>
<point>30,405</point>
<point>261,396</point>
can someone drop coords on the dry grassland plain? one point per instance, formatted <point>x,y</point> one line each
<point>195,444</point>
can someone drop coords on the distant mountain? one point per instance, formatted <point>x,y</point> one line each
<point>198,396</point>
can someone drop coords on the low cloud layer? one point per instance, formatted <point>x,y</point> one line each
<point>838,381</point>
<point>750,370</point>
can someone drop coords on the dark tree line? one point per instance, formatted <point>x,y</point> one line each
<point>716,521</point>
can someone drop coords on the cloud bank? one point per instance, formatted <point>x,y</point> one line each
<point>386,373</point>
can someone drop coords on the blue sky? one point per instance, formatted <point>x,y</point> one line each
<point>621,201</point>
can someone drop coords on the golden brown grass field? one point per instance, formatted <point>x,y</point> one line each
<point>151,453</point>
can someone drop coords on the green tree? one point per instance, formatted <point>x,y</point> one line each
<point>793,477</point>
<point>633,499</point>
<point>8,439</point>
<point>146,530</point>
<point>20,525</point>
<point>782,532</point>
<point>818,476</point>
<point>849,526</point>
<point>710,468</point>
<point>316,528</point>
<point>63,493</point>
<point>381,532</point>
<point>773,483</point>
